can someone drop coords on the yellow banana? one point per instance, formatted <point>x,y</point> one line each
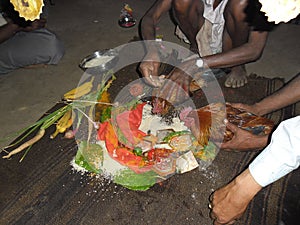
<point>77,92</point>
<point>63,123</point>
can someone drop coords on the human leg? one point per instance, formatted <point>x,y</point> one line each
<point>236,33</point>
<point>30,48</point>
<point>189,16</point>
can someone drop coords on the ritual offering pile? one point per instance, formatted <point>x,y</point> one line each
<point>130,143</point>
<point>137,148</point>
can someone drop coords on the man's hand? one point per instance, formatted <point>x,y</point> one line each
<point>230,202</point>
<point>175,89</point>
<point>149,68</point>
<point>243,140</point>
<point>249,108</point>
<point>182,79</point>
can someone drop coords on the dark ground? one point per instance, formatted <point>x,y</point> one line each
<point>43,189</point>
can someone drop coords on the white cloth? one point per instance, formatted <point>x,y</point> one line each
<point>2,20</point>
<point>209,37</point>
<point>216,18</point>
<point>281,156</point>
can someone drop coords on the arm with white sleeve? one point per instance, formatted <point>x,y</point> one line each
<point>281,156</point>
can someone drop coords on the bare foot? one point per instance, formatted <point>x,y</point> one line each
<point>237,77</point>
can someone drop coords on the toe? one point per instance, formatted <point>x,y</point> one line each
<point>243,82</point>
<point>228,82</point>
<point>234,84</point>
<point>239,83</point>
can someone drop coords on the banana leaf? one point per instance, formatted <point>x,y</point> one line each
<point>134,181</point>
<point>89,156</point>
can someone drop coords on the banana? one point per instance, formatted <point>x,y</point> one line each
<point>63,123</point>
<point>77,92</point>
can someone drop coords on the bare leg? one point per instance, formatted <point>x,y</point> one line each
<point>189,16</point>
<point>236,33</point>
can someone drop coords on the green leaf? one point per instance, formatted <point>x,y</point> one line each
<point>89,156</point>
<point>134,181</point>
<point>210,151</point>
<point>174,134</point>
<point>106,114</point>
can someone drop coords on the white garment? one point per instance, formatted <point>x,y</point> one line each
<point>216,18</point>
<point>2,20</point>
<point>281,156</point>
<point>209,38</point>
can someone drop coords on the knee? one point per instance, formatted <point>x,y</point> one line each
<point>181,6</point>
<point>55,50</point>
<point>235,9</point>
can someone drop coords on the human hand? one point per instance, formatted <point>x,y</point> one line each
<point>149,68</point>
<point>230,202</point>
<point>36,24</point>
<point>175,88</point>
<point>246,107</point>
<point>243,140</point>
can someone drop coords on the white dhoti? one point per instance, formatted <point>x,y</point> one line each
<point>209,37</point>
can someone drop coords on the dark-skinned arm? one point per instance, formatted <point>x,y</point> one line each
<point>287,95</point>
<point>152,17</point>
<point>244,51</point>
<point>244,140</point>
<point>230,202</point>
<point>7,31</point>
<point>151,62</point>
<point>248,52</point>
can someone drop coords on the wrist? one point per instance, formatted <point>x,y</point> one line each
<point>254,142</point>
<point>259,109</point>
<point>245,181</point>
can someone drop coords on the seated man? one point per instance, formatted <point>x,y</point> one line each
<point>217,29</point>
<point>26,43</point>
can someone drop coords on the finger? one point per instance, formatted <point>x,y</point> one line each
<point>149,80</point>
<point>231,222</point>
<point>150,71</point>
<point>218,144</point>
<point>162,77</point>
<point>155,66</point>
<point>217,223</point>
<point>211,197</point>
<point>212,215</point>
<point>231,127</point>
<point>238,105</point>
<point>226,146</point>
<point>154,80</point>
<point>146,71</point>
